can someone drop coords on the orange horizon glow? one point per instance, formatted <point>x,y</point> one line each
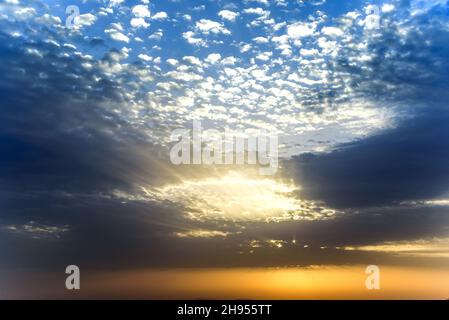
<point>317,282</point>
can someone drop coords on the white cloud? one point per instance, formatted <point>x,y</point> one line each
<point>228,15</point>
<point>208,26</point>
<point>245,48</point>
<point>258,11</point>
<point>201,234</point>
<point>213,58</point>
<point>117,26</point>
<point>264,56</point>
<point>332,31</point>
<point>264,2</point>
<point>113,3</point>
<point>184,76</point>
<point>172,62</point>
<point>141,11</point>
<point>139,23</point>
<point>388,7</point>
<point>37,231</point>
<point>85,20</point>
<point>145,57</point>
<point>260,40</point>
<point>49,20</point>
<point>309,52</point>
<point>116,35</point>
<point>157,35</point>
<point>421,6</point>
<point>229,61</point>
<point>192,60</point>
<point>190,37</point>
<point>300,30</point>
<point>160,16</point>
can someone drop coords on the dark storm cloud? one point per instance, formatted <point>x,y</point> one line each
<point>61,148</point>
<point>405,163</point>
<point>58,130</point>
<point>108,235</point>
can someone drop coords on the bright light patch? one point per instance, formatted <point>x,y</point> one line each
<point>436,247</point>
<point>236,197</point>
<point>201,234</point>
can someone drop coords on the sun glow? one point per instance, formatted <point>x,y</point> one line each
<point>238,197</point>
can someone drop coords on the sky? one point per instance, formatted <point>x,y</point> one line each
<point>356,91</point>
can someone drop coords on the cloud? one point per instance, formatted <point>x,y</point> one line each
<point>264,56</point>
<point>138,23</point>
<point>434,247</point>
<point>192,60</point>
<point>206,26</point>
<point>228,15</point>
<point>145,57</point>
<point>114,3</point>
<point>141,11</point>
<point>36,230</point>
<point>172,62</point>
<point>261,40</point>
<point>24,13</point>
<point>117,35</point>
<point>257,11</point>
<point>388,7</point>
<point>201,234</point>
<point>190,37</point>
<point>229,60</point>
<point>213,58</point>
<point>420,7</point>
<point>332,31</point>
<point>300,30</point>
<point>162,15</point>
<point>85,20</point>
<point>406,163</point>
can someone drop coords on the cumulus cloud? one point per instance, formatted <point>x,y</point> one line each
<point>213,58</point>
<point>300,30</point>
<point>332,31</point>
<point>206,26</point>
<point>228,15</point>
<point>145,57</point>
<point>192,39</point>
<point>139,23</point>
<point>85,20</point>
<point>117,35</point>
<point>257,11</point>
<point>141,11</point>
<point>162,15</point>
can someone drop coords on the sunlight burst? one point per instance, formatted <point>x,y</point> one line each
<point>237,197</point>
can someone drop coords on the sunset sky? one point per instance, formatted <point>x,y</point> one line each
<point>357,93</point>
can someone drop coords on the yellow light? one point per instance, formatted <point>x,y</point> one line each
<point>239,197</point>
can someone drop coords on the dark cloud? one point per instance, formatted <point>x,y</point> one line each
<point>405,163</point>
